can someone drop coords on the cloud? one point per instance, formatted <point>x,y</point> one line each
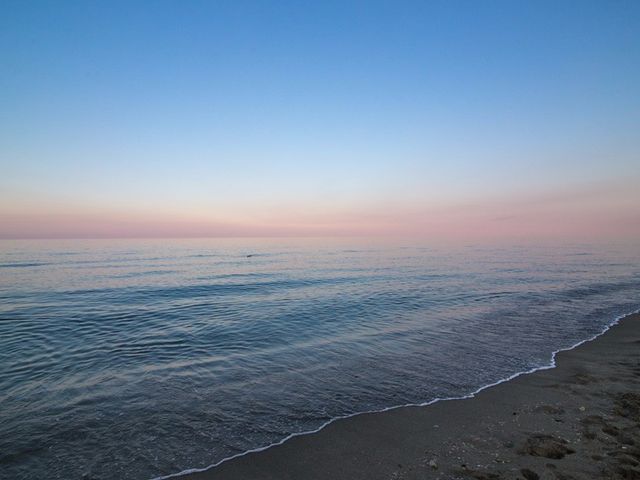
<point>592,211</point>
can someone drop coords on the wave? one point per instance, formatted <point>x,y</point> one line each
<point>22,265</point>
<point>550,365</point>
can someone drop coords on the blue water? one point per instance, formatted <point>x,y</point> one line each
<point>135,359</point>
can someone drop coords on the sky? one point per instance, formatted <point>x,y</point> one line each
<point>428,119</point>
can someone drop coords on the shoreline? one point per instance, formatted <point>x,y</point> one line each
<point>272,461</point>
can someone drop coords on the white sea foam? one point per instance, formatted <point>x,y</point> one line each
<point>551,364</point>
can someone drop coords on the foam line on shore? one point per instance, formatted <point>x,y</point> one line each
<point>551,364</point>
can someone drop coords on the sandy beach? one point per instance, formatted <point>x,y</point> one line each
<point>580,420</point>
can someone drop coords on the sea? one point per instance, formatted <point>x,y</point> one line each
<point>140,359</point>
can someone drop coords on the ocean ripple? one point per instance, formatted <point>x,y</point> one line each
<point>129,360</point>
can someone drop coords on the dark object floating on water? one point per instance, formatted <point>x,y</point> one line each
<point>251,255</point>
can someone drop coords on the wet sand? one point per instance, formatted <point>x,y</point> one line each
<point>580,420</point>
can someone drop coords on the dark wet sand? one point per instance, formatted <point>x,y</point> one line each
<point>580,420</point>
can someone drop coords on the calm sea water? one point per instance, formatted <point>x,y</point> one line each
<point>135,359</point>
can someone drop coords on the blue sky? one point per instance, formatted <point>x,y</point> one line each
<point>301,117</point>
